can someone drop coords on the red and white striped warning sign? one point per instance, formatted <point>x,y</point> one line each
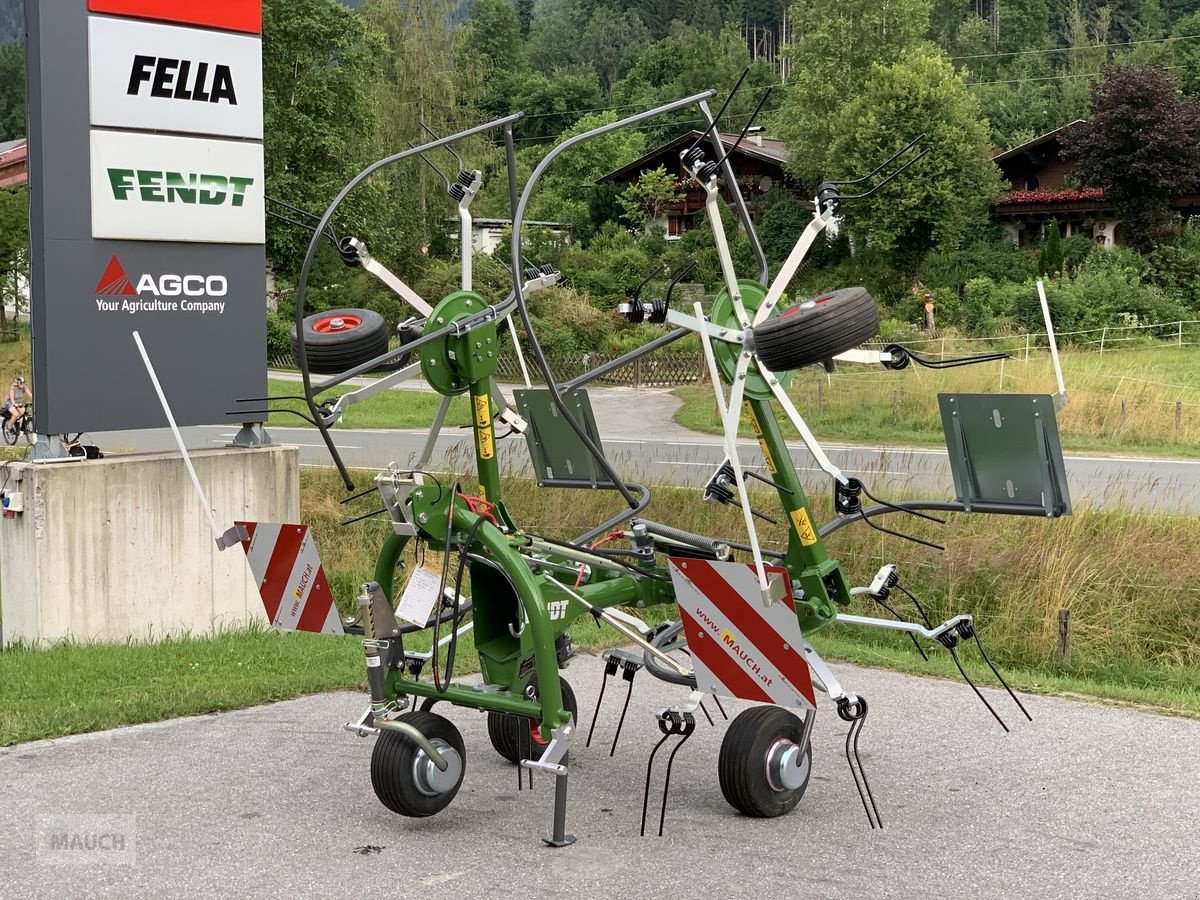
<point>290,578</point>
<point>739,647</point>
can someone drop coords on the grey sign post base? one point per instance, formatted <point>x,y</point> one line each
<point>252,435</point>
<point>49,446</point>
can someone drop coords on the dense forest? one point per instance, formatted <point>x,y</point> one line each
<point>844,82</point>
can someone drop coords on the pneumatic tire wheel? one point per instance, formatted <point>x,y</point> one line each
<point>340,339</point>
<point>514,737</point>
<point>817,329</point>
<point>404,777</point>
<point>762,768</point>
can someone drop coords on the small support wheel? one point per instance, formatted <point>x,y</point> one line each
<point>762,768</point>
<point>511,736</point>
<point>405,779</point>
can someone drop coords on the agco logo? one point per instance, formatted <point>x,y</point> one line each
<point>116,283</point>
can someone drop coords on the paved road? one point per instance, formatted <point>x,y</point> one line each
<point>1086,801</point>
<point>645,444</point>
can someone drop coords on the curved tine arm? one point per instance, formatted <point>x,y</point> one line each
<point>429,162</point>
<point>764,272</point>
<point>678,278</point>
<point>310,254</point>
<point>731,415</point>
<point>887,162</point>
<point>800,425</point>
<point>891,177</point>
<point>462,166</point>
<point>523,309</point>
<point>637,291</point>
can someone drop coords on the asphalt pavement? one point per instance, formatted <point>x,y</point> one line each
<point>645,444</point>
<point>275,801</point>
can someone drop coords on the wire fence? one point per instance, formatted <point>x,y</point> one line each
<point>674,369</point>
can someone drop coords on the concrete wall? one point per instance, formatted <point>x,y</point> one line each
<point>116,548</point>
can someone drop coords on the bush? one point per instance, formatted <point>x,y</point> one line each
<point>566,322</point>
<point>279,337</point>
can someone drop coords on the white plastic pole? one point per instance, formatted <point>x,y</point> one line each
<point>1062,389</point>
<point>187,461</point>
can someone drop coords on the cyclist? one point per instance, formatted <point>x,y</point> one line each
<point>19,396</point>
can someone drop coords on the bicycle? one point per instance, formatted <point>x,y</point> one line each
<point>22,425</point>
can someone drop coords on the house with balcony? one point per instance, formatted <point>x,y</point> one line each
<point>757,160</point>
<point>1043,188</point>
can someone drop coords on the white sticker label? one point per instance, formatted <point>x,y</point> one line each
<point>419,597</point>
<point>153,187</point>
<point>165,78</point>
<point>373,662</point>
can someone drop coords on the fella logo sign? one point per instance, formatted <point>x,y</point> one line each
<point>117,292</point>
<point>164,78</point>
<point>152,187</point>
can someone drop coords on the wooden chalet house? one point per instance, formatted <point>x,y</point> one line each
<point>758,162</point>
<point>1043,189</point>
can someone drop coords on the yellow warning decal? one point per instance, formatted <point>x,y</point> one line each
<point>483,425</point>
<point>761,443</point>
<point>804,528</point>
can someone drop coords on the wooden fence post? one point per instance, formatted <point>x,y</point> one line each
<point>1178,417</point>
<point>895,404</point>
<point>820,396</point>
<point>1122,412</point>
<point>1062,650</point>
<point>1103,335</point>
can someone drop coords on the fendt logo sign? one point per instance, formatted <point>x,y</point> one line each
<point>116,292</point>
<point>154,187</point>
<point>144,75</point>
<point>175,187</point>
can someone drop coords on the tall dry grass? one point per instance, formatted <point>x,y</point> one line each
<point>1128,579</point>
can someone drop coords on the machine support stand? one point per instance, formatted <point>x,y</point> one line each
<point>560,838</point>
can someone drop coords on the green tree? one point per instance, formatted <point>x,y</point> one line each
<point>689,62</point>
<point>14,249</point>
<point>1140,144</point>
<point>1050,258</point>
<point>569,193</point>
<point>552,103</point>
<point>938,200</point>
<point>648,199</point>
<point>839,42</point>
<point>1187,51</point>
<point>319,64</point>
<point>614,40</point>
<point>493,36</point>
<point>12,92</point>
<point>419,83</point>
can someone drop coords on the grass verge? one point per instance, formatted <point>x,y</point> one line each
<point>1132,401</point>
<point>387,409</point>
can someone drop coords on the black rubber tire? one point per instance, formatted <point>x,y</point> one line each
<point>742,763</point>
<point>808,334</point>
<point>392,766</point>
<point>10,433</point>
<point>331,352</point>
<point>510,734</point>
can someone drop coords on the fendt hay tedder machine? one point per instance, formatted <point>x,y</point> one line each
<point>745,612</point>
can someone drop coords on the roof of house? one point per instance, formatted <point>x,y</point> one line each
<point>1054,135</point>
<point>771,150</point>
<point>13,156</point>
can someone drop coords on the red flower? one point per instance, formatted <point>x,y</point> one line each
<point>1061,195</point>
